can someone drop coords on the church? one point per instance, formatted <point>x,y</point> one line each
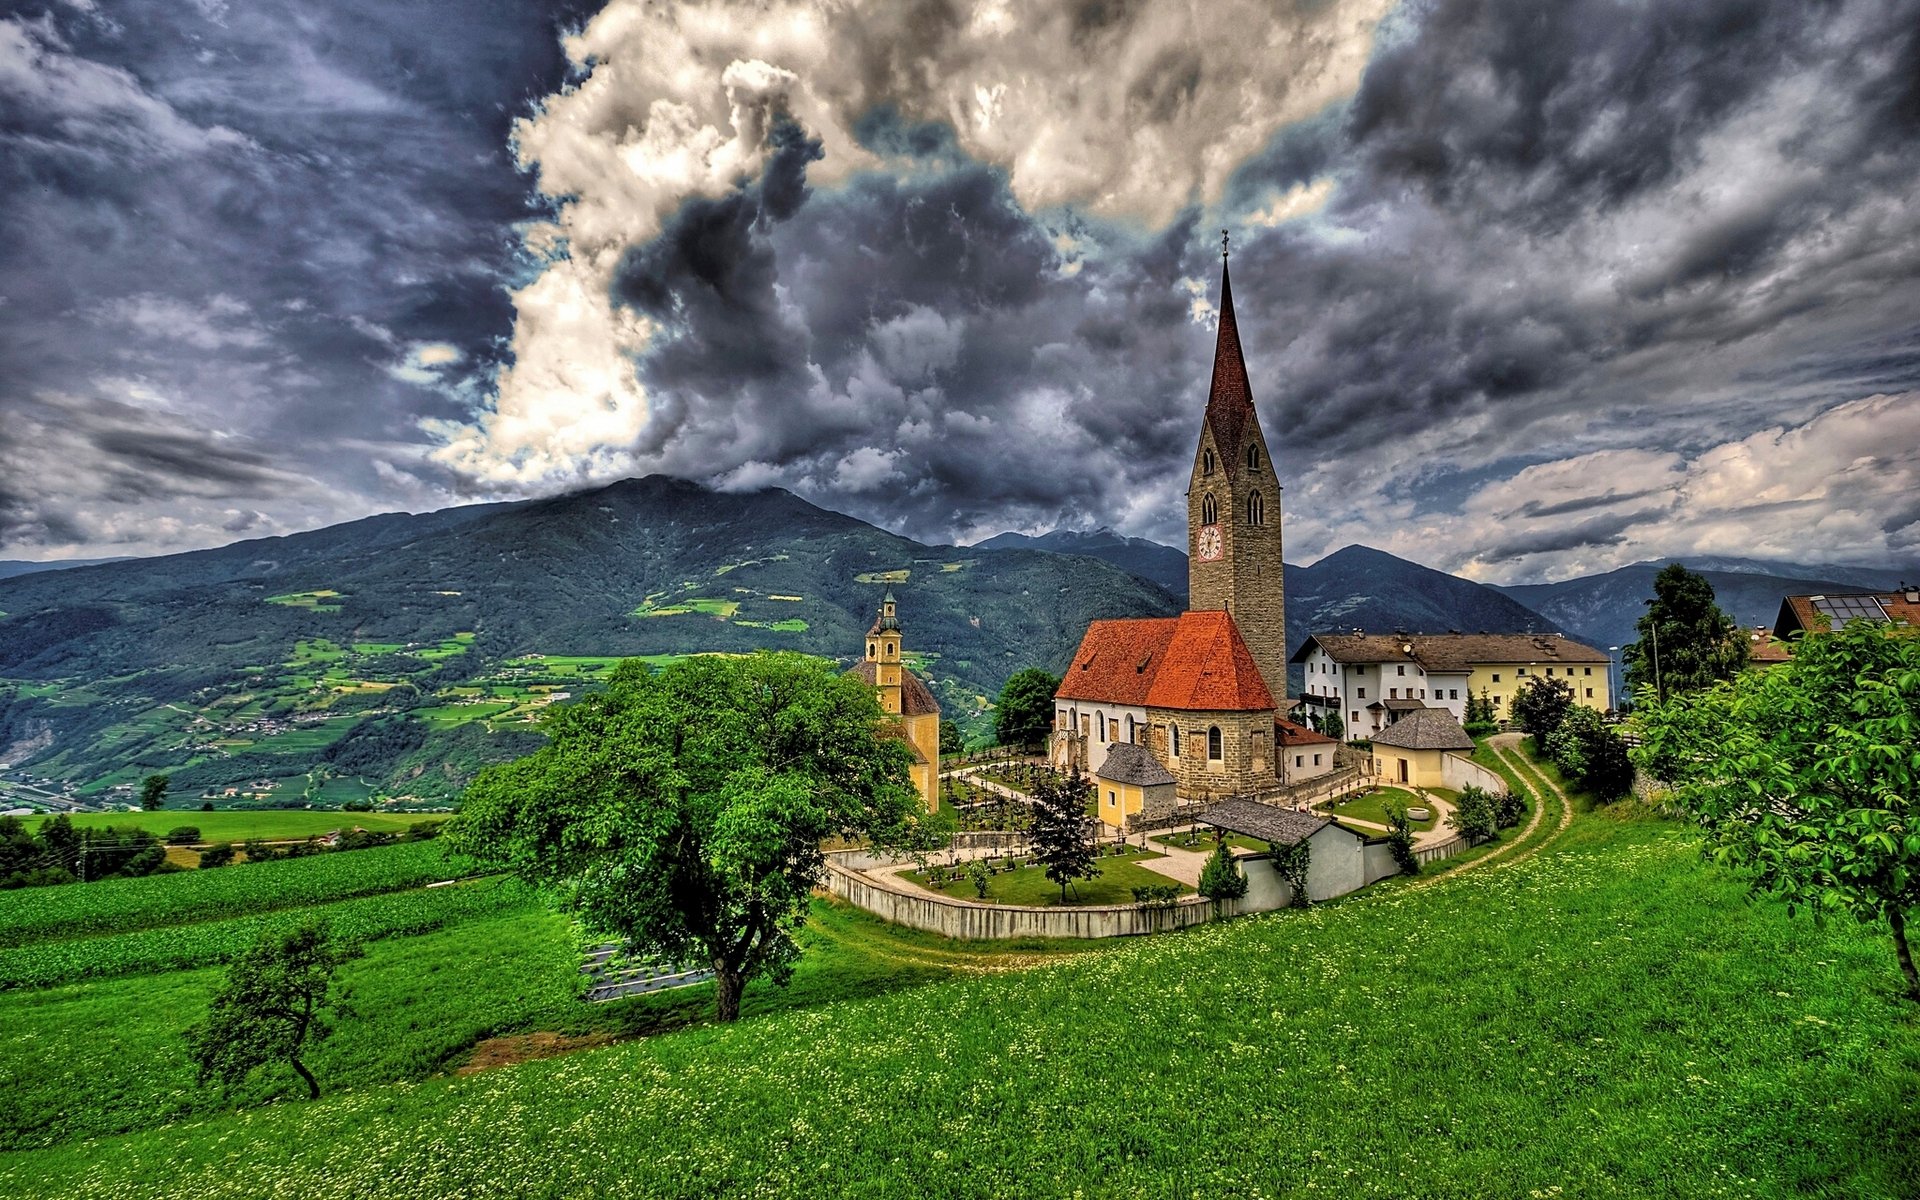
<point>1199,690</point>
<point>913,715</point>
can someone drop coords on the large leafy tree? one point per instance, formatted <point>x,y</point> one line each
<point>1807,775</point>
<point>683,811</point>
<point>276,1002</point>
<point>1686,642</point>
<point>1024,712</point>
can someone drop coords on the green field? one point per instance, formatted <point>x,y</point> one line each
<point>319,600</point>
<point>269,824</point>
<point>1606,1018</point>
<point>721,609</point>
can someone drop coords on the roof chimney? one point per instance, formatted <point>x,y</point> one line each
<point>1913,592</point>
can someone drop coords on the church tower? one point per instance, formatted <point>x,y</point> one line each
<point>883,651</point>
<point>1233,510</point>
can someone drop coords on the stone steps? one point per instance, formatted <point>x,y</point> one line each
<point>610,980</point>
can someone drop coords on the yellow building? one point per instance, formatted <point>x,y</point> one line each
<point>1131,783</point>
<point>1412,751</point>
<point>914,715</point>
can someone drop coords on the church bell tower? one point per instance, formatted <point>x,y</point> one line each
<point>883,651</point>
<point>1233,510</point>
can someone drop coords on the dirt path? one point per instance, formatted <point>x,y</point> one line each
<point>1516,849</point>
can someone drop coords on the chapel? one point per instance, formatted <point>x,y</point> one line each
<point>1198,690</point>
<point>913,715</point>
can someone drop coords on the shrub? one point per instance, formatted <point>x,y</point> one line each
<point>1473,817</point>
<point>1400,840</point>
<point>183,835</point>
<point>219,854</point>
<point>1156,895</point>
<point>1222,878</point>
<point>1508,808</point>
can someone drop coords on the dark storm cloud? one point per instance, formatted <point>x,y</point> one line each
<point>249,213</point>
<point>1549,230</point>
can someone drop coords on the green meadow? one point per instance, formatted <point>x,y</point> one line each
<point>267,824</point>
<point>1587,1012</point>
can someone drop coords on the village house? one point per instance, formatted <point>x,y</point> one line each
<point>1818,614</point>
<point>1412,751</point>
<point>1375,679</point>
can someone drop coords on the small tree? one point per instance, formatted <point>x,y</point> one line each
<point>1473,816</point>
<point>1508,807</point>
<point>950,740</point>
<point>276,1001</point>
<point>153,791</point>
<point>219,854</point>
<point>1063,831</point>
<point>1400,839</point>
<point>1805,776</point>
<point>1591,755</point>
<point>977,875</point>
<point>183,835</point>
<point>1024,712</point>
<point>1540,706</point>
<point>1222,879</point>
<point>1332,725</point>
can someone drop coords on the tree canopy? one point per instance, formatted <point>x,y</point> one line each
<point>153,791</point>
<point>1806,775</point>
<point>1686,642</point>
<point>683,811</point>
<point>1024,713</point>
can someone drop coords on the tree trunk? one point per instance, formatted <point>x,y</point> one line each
<point>1905,952</point>
<point>313,1085</point>
<point>726,994</point>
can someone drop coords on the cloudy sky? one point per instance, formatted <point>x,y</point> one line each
<point>1528,290</point>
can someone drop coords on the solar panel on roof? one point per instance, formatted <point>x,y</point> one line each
<point>1841,609</point>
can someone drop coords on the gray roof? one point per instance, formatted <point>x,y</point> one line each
<point>1130,763</point>
<point>1280,826</point>
<point>1425,729</point>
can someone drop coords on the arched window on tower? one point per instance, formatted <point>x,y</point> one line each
<point>1206,462</point>
<point>1213,743</point>
<point>1253,458</point>
<point>1256,510</point>
<point>1209,513</point>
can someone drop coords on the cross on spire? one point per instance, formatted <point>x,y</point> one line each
<point>1223,245</point>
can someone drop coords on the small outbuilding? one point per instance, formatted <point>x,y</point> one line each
<point>1336,858</point>
<point>1132,784</point>
<point>1411,751</point>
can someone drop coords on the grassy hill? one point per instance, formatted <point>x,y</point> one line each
<point>1607,1017</point>
<point>394,656</point>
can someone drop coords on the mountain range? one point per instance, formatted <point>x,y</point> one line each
<point>396,654</point>
<point>1601,609</point>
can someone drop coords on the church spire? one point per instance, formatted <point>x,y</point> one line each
<point>1230,398</point>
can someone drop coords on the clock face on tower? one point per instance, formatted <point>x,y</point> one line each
<point>1209,542</point>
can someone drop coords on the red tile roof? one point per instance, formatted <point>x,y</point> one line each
<point>1230,397</point>
<point>1209,668</point>
<point>1196,662</point>
<point>1117,660</point>
<point>1292,733</point>
<point>1802,613</point>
